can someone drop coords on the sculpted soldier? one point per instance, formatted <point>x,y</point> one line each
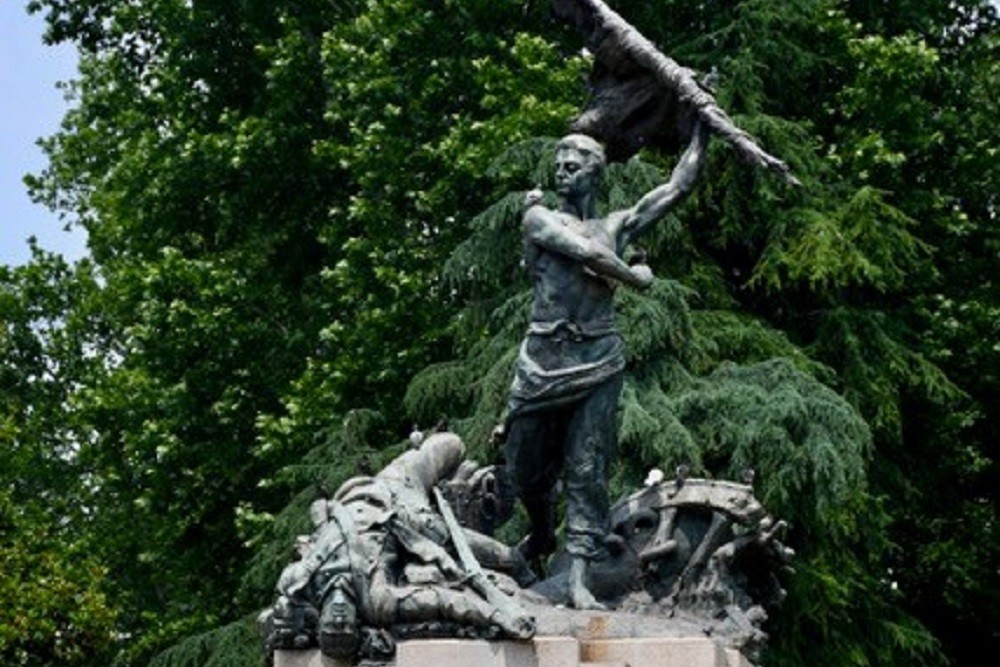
<point>379,558</point>
<point>563,402</point>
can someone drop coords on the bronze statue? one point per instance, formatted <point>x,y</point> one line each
<point>390,559</point>
<point>563,402</point>
<point>381,558</point>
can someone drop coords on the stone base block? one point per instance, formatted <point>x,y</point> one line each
<point>308,658</point>
<point>543,652</point>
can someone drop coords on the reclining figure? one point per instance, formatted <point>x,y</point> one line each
<point>379,560</point>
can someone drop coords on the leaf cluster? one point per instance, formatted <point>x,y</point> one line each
<point>288,213</point>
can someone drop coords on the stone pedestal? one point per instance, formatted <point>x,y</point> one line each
<point>544,652</point>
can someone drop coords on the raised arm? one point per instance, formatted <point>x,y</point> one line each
<point>657,202</point>
<point>545,228</point>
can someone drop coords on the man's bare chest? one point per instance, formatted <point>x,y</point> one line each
<point>592,228</point>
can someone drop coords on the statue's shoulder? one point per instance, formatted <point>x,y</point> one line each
<point>536,211</point>
<point>538,219</point>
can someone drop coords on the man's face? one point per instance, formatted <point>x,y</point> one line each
<point>338,625</point>
<point>574,176</point>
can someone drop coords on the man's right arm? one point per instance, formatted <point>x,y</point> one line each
<point>544,227</point>
<point>654,204</point>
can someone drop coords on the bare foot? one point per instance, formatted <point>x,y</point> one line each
<point>580,596</point>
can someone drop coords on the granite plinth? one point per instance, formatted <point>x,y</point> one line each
<point>543,652</point>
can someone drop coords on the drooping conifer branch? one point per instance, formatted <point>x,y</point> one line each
<point>628,64</point>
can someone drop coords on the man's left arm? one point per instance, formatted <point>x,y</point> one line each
<point>655,204</point>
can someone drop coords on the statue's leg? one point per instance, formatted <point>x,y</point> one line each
<point>437,457</point>
<point>591,442</point>
<point>416,604</point>
<point>534,452</point>
<point>496,555</point>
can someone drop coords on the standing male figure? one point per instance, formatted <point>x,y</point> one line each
<point>562,412</point>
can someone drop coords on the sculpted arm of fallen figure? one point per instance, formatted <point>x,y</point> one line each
<point>425,549</point>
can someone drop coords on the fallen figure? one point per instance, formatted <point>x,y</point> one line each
<point>381,565</point>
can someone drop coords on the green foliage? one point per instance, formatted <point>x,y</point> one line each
<point>288,212</point>
<point>864,243</point>
<point>851,338</point>
<point>53,610</point>
<point>234,645</point>
<point>55,604</point>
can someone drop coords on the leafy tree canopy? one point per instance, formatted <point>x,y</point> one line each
<point>303,222</point>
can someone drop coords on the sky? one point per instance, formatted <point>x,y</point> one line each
<point>30,108</point>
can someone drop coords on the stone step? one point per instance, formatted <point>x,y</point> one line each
<point>543,652</point>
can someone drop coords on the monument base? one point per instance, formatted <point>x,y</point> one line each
<point>542,652</point>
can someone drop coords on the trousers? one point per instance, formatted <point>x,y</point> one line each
<point>576,441</point>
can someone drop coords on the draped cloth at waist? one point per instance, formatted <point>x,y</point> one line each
<point>561,362</point>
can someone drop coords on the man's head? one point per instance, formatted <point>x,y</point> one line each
<point>338,623</point>
<point>579,165</point>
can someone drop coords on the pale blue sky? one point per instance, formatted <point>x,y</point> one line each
<point>30,107</point>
